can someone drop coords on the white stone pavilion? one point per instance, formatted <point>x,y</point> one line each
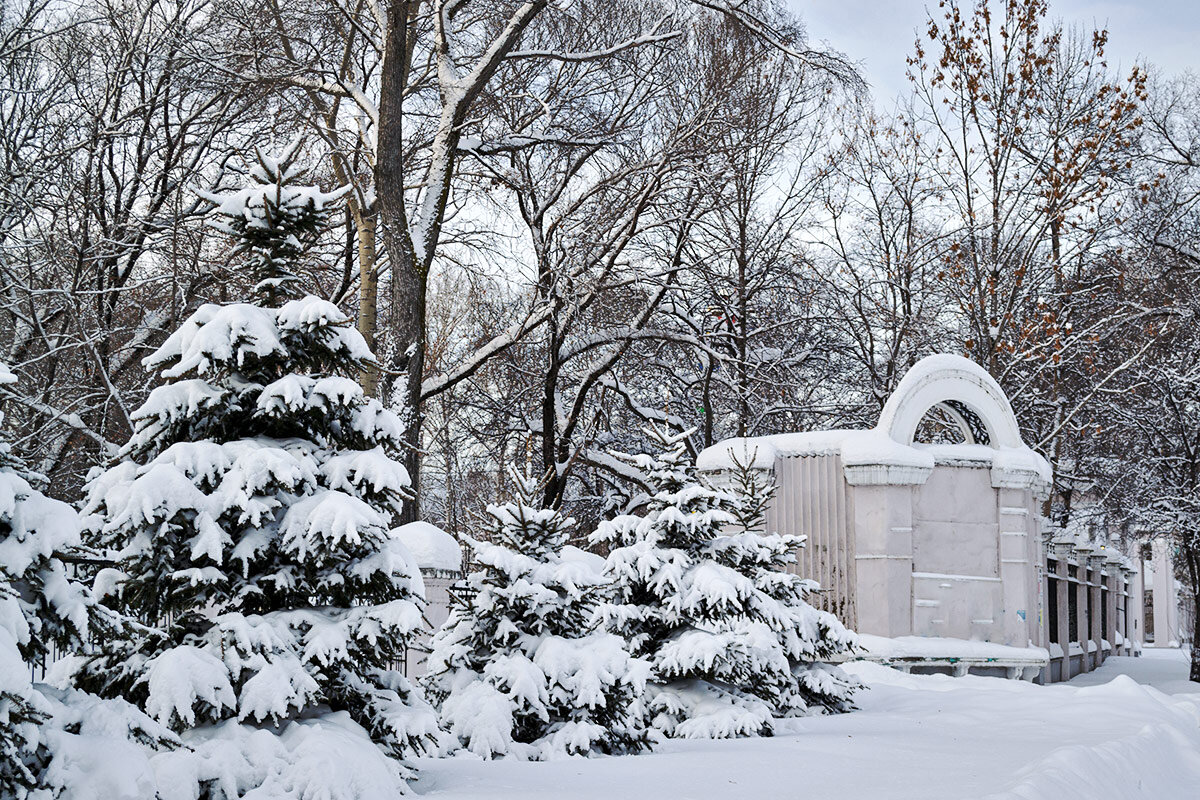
<point>934,552</point>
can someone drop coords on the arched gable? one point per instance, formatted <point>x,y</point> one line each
<point>937,379</point>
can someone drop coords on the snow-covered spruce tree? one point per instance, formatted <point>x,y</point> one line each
<point>678,608</point>
<point>250,520</point>
<point>720,641</point>
<point>23,752</point>
<point>807,637</point>
<point>44,613</point>
<point>518,669</point>
<point>22,709</point>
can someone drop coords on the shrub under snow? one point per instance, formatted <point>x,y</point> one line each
<point>57,743</point>
<point>517,669</point>
<point>807,637</point>
<point>728,635</point>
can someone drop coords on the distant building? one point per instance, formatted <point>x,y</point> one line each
<point>1169,608</point>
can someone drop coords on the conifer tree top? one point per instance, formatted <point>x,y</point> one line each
<point>272,219</point>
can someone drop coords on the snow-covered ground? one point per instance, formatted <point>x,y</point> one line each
<point>1110,734</point>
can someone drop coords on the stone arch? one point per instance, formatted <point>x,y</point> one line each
<point>945,380</point>
<point>956,416</point>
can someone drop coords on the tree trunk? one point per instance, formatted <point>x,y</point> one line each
<point>405,358</point>
<point>1192,558</point>
<point>553,490</point>
<point>368,295</point>
<point>1194,673</point>
<point>706,400</point>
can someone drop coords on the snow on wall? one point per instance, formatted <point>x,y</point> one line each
<point>855,448</point>
<point>937,647</point>
<point>431,546</point>
<point>930,381</point>
<point>869,447</point>
<point>440,559</point>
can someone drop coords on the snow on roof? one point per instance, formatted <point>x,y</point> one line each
<point>855,447</point>
<point>932,380</point>
<point>861,448</point>
<point>1009,459</point>
<point>431,546</point>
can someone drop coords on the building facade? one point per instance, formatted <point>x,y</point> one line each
<point>932,547</point>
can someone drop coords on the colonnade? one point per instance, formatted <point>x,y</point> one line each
<point>1093,606</point>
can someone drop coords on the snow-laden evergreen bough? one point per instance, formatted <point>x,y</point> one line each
<point>48,737</point>
<point>729,637</point>
<point>250,520</point>
<point>518,670</point>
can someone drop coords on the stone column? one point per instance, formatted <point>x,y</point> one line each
<point>881,517</point>
<point>1122,608</point>
<point>1018,569</point>
<point>1166,599</point>
<point>1112,583</point>
<point>1137,611</point>
<point>1133,605</point>
<point>1096,563</point>
<point>1062,636</point>
<point>1081,612</point>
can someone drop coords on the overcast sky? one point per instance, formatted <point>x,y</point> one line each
<point>879,34</point>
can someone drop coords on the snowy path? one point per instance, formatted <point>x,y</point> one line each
<point>915,737</point>
<point>1165,670</point>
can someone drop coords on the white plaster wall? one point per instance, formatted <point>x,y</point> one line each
<point>956,580</point>
<point>953,557</point>
<point>811,502</point>
<point>437,595</point>
<point>437,610</point>
<point>956,606</point>
<point>882,527</point>
<point>959,548</point>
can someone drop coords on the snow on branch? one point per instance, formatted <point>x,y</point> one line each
<point>71,420</point>
<point>602,460</point>
<point>470,365</point>
<point>513,142</point>
<point>596,55</point>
